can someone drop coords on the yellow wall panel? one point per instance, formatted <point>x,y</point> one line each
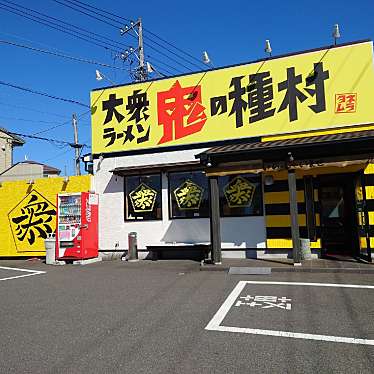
<point>281,197</point>
<point>26,211</point>
<point>287,243</point>
<point>316,244</point>
<point>363,243</point>
<point>279,243</point>
<point>369,169</point>
<point>369,192</point>
<point>284,220</point>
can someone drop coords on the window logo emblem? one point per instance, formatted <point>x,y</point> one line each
<point>143,198</point>
<point>188,196</point>
<point>239,193</point>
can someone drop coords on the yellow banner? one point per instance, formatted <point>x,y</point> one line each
<point>315,90</point>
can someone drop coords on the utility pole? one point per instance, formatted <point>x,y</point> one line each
<point>76,146</point>
<point>141,71</point>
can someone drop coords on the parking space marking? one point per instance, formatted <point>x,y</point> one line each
<point>215,322</point>
<point>29,273</point>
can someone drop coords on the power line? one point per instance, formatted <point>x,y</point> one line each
<point>164,63</point>
<point>33,110</point>
<point>57,54</point>
<point>87,14</point>
<point>60,124</point>
<point>173,53</point>
<point>172,45</point>
<point>161,70</point>
<point>65,23</point>
<point>76,8</point>
<point>62,142</point>
<point>87,6</point>
<point>53,26</point>
<point>43,94</point>
<point>56,156</point>
<point>26,120</point>
<point>165,55</point>
<point>78,116</point>
<point>52,128</point>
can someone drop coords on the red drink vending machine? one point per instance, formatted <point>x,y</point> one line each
<point>77,226</point>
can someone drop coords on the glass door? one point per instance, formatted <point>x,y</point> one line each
<point>333,218</point>
<point>338,215</point>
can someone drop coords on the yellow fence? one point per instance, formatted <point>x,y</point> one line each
<point>28,213</point>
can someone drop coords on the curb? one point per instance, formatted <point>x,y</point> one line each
<point>287,270</point>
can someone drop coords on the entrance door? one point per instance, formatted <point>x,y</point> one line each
<point>338,214</point>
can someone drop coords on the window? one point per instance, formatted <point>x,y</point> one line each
<point>143,197</point>
<point>188,195</point>
<point>240,195</point>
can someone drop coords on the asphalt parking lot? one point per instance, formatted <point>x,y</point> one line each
<point>162,317</point>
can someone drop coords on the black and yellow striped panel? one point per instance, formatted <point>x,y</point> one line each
<point>369,189</point>
<point>277,214</point>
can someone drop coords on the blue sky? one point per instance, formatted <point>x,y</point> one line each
<point>232,32</point>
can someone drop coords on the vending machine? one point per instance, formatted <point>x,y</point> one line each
<point>77,226</point>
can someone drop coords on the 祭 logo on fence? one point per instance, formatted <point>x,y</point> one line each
<point>143,198</point>
<point>31,220</point>
<point>239,193</point>
<point>188,196</point>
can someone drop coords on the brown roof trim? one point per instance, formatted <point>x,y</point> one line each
<point>277,149</point>
<point>155,168</point>
<point>289,142</point>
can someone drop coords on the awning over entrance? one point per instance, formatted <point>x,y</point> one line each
<point>322,148</point>
<point>341,149</point>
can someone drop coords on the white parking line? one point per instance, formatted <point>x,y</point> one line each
<point>29,273</point>
<point>215,322</point>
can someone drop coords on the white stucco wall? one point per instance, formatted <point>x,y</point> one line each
<point>236,232</point>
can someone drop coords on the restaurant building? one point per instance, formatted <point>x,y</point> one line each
<point>244,160</point>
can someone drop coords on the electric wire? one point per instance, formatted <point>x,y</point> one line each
<point>163,63</point>
<point>78,10</point>
<point>168,57</point>
<point>79,116</point>
<point>106,13</point>
<point>117,26</point>
<point>56,141</point>
<point>60,28</point>
<point>26,120</point>
<point>85,5</point>
<point>32,110</point>
<point>87,14</point>
<point>57,54</point>
<point>160,45</point>
<point>43,94</point>
<point>164,72</point>
<point>65,23</point>
<point>43,22</point>
<point>173,46</point>
<point>56,156</point>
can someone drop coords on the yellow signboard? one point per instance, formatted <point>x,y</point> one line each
<point>308,91</point>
